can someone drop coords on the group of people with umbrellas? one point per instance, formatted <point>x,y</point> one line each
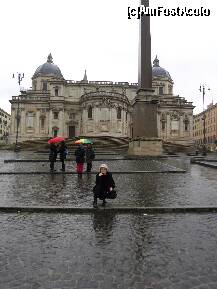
<point>82,153</point>
<point>104,185</point>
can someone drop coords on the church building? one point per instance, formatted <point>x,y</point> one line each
<point>54,106</point>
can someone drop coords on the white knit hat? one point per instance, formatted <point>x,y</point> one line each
<point>103,166</point>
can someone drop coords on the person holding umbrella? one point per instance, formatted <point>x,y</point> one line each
<point>80,158</point>
<point>63,153</point>
<point>52,156</point>
<point>90,156</point>
<point>53,151</point>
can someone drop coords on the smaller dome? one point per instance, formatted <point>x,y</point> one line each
<point>48,68</point>
<point>159,71</point>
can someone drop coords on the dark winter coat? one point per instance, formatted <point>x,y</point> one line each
<point>90,155</point>
<point>53,153</point>
<point>103,184</point>
<point>62,151</point>
<point>80,155</point>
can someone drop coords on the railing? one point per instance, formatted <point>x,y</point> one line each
<point>103,83</point>
<point>101,94</point>
<point>27,97</point>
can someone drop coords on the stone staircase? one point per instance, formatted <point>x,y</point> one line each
<point>172,148</point>
<point>103,144</point>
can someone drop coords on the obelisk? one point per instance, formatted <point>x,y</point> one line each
<point>145,139</point>
<point>144,62</point>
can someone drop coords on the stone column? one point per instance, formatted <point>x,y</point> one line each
<point>190,125</point>
<point>84,120</point>
<point>181,126</point>
<point>113,120</point>
<point>64,123</point>
<point>97,120</point>
<point>37,124</point>
<point>168,127</point>
<point>50,123</point>
<point>46,124</point>
<point>23,121</point>
<point>61,123</point>
<point>13,115</point>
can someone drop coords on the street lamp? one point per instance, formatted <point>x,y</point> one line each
<point>203,90</point>
<point>20,77</point>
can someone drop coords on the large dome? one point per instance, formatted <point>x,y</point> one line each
<point>159,71</point>
<point>48,68</point>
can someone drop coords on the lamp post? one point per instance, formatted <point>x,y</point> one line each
<point>203,90</point>
<point>20,77</point>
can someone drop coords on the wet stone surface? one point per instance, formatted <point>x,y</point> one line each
<point>108,251</point>
<point>117,165</point>
<point>196,187</point>
<point>105,250</point>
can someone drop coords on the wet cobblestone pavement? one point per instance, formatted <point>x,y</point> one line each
<point>117,165</point>
<point>107,250</point>
<point>197,187</point>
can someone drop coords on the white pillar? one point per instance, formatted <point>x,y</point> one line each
<point>181,127</point>
<point>50,123</point>
<point>114,123</point>
<point>61,125</point>
<point>191,126</point>
<point>23,121</point>
<point>168,126</point>
<point>12,121</point>
<point>37,125</point>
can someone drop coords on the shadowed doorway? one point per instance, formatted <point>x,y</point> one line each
<point>71,131</point>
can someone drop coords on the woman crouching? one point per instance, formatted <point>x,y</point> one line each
<point>104,187</point>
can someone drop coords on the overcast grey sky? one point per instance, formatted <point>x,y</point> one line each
<point>98,36</point>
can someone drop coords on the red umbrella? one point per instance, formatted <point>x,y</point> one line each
<point>56,139</point>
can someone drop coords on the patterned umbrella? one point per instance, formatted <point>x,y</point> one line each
<point>56,139</point>
<point>83,141</point>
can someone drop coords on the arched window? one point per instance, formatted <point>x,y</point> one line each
<point>55,114</point>
<point>44,86</point>
<point>119,113</point>
<point>42,122</point>
<point>30,119</point>
<point>186,124</point>
<point>90,112</point>
<point>161,90</point>
<point>56,91</point>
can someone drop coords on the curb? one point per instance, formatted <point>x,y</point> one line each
<point>67,160</point>
<point>73,159</point>
<point>94,173</point>
<point>206,164</point>
<point>109,209</point>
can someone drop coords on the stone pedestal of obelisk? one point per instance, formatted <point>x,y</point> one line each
<point>145,141</point>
